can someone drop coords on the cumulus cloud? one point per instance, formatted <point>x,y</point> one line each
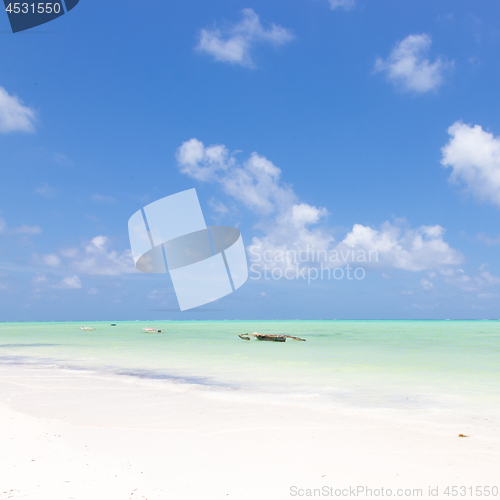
<point>97,259</point>
<point>407,67</point>
<point>481,236</point>
<point>306,214</point>
<point>22,229</point>
<point>426,284</point>
<point>69,252</point>
<point>100,198</point>
<point>52,260</point>
<point>402,247</point>
<point>94,257</point>
<point>476,283</point>
<point>235,44</point>
<point>202,163</point>
<point>255,183</point>
<point>70,282</point>
<point>341,4</point>
<point>14,115</point>
<point>289,225</point>
<point>474,156</point>
<point>218,207</point>
<point>43,282</point>
<point>396,246</point>
<point>25,229</point>
<point>39,279</point>
<point>45,190</point>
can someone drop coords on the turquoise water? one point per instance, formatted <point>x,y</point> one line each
<point>396,364</point>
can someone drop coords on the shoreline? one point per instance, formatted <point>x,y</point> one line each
<point>92,436</point>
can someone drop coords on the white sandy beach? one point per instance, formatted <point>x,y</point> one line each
<point>77,435</point>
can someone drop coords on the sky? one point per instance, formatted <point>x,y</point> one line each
<point>367,131</point>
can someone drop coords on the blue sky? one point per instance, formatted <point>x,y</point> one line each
<point>332,121</point>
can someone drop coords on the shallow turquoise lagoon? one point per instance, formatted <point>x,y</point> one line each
<point>410,364</point>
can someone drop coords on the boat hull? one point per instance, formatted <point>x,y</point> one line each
<point>271,339</point>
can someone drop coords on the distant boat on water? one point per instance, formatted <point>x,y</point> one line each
<point>87,328</point>
<point>269,338</point>
<point>152,330</point>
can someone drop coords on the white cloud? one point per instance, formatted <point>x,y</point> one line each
<point>93,291</point>
<point>52,260</point>
<point>42,282</point>
<point>306,214</point>
<point>98,242</point>
<point>403,247</point>
<point>69,252</point>
<point>426,284</point>
<point>218,207</point>
<point>485,278</point>
<point>474,156</point>
<point>478,282</point>
<point>342,4</point>
<point>394,246</point>
<point>70,282</point>
<point>290,225</point>
<point>45,190</point>
<point>96,259</point>
<point>38,279</point>
<point>100,198</point>
<point>162,295</point>
<point>408,68</point>
<point>22,229</point>
<point>14,115</point>
<point>257,185</point>
<point>481,236</point>
<point>61,159</point>
<point>202,163</point>
<point>235,44</point>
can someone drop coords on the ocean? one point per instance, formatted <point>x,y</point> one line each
<point>423,365</point>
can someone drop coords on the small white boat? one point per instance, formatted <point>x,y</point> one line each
<point>87,328</point>
<point>152,330</point>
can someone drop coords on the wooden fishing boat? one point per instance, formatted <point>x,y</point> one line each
<point>268,337</point>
